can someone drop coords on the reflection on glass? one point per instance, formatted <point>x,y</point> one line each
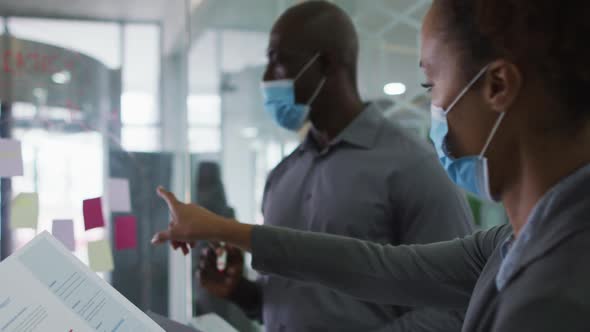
<point>204,140</point>
<point>140,138</point>
<point>97,39</point>
<point>140,111</point>
<point>204,110</point>
<point>138,108</point>
<point>141,72</point>
<point>81,91</point>
<point>64,169</point>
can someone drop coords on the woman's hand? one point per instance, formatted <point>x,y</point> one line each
<point>189,223</point>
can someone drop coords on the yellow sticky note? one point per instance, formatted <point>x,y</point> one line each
<point>24,211</point>
<point>100,256</point>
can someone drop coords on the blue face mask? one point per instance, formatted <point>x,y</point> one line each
<point>280,104</point>
<point>470,172</point>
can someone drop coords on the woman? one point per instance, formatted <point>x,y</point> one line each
<point>510,122</point>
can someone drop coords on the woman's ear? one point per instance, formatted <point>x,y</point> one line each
<point>503,83</point>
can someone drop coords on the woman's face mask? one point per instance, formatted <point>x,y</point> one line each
<point>471,172</point>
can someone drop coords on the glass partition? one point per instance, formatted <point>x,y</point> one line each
<point>83,98</point>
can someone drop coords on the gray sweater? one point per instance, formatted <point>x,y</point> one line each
<point>550,290</point>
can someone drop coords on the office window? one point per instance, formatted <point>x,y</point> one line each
<point>140,110</point>
<point>204,120</point>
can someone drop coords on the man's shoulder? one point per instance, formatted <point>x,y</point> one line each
<point>286,163</point>
<point>402,142</point>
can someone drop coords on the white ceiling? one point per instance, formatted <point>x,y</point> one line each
<point>136,10</point>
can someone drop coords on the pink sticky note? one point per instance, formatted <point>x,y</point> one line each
<point>92,209</point>
<point>125,232</point>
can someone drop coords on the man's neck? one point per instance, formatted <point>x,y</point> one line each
<point>329,120</point>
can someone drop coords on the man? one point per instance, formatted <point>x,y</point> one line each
<point>356,174</point>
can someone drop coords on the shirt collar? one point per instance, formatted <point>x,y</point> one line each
<point>361,132</point>
<point>506,245</point>
<point>553,200</point>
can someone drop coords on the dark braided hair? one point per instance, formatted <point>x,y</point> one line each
<point>548,39</point>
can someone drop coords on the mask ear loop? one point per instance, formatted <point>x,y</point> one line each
<point>307,65</point>
<point>317,91</point>
<point>464,91</point>
<point>492,134</point>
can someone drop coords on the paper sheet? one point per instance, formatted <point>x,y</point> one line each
<point>93,217</point>
<point>11,158</point>
<point>119,198</point>
<point>63,230</point>
<point>24,211</point>
<point>57,292</point>
<point>100,256</point>
<point>125,232</point>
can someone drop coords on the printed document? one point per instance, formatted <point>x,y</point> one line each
<point>43,287</point>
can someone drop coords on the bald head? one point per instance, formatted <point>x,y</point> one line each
<point>316,45</point>
<point>318,27</point>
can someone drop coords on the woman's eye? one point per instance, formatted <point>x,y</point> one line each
<point>427,86</point>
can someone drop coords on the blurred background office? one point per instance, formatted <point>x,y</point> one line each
<point>166,92</point>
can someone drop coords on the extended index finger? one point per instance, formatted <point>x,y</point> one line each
<point>168,197</point>
<point>161,237</point>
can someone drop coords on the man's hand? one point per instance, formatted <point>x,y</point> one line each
<point>221,283</point>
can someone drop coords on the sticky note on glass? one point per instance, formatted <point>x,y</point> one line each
<point>119,198</point>
<point>24,211</point>
<point>11,158</point>
<point>92,209</point>
<point>63,230</point>
<point>100,256</point>
<point>125,232</point>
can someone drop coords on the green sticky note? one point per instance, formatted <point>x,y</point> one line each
<point>24,211</point>
<point>100,256</point>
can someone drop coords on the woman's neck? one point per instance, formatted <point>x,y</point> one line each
<point>541,167</point>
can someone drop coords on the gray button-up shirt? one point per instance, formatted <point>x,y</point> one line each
<point>373,182</point>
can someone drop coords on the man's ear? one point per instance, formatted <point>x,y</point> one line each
<point>329,63</point>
